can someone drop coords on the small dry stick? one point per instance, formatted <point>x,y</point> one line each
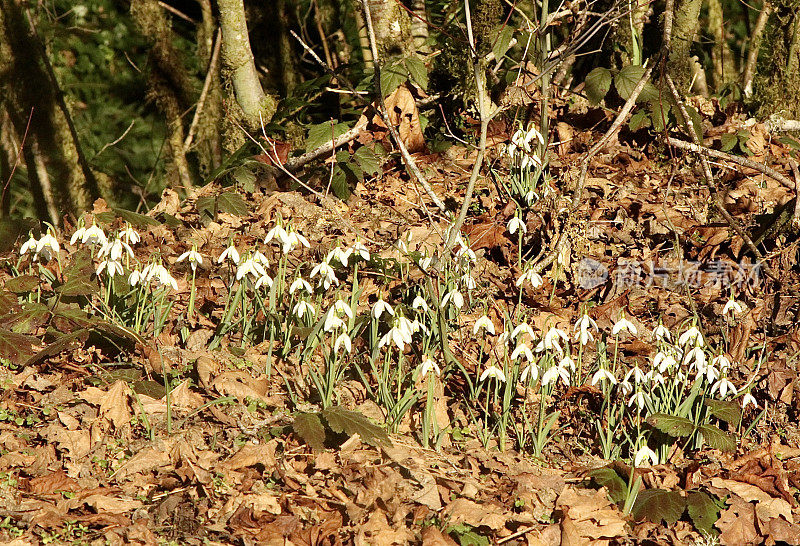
<point>212,70</point>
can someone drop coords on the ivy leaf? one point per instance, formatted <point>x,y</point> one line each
<point>717,439</point>
<point>703,511</point>
<point>598,82</point>
<point>725,410</point>
<point>417,71</point>
<point>308,426</point>
<point>613,482</point>
<point>232,203</point>
<point>657,504</point>
<point>672,425</point>
<point>342,420</point>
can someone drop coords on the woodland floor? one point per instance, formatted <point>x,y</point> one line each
<point>76,466</point>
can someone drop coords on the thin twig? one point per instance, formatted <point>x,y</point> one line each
<point>212,69</point>
<point>297,162</point>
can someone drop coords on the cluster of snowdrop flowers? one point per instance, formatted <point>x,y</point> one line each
<point>288,239</point>
<point>520,151</point>
<point>44,248</point>
<point>153,272</point>
<point>93,235</point>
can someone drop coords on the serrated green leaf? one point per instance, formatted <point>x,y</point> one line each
<point>418,72</point>
<point>672,425</point>
<point>392,77</point>
<point>503,41</point>
<point>725,410</point>
<point>657,504</point>
<point>22,284</point>
<point>135,219</point>
<point>466,535</point>
<point>627,79</point>
<point>659,113</point>
<point>716,438</point>
<point>613,482</point>
<point>232,203</point>
<point>79,276</point>
<point>598,82</point>
<point>26,320</point>
<point>728,141</point>
<point>207,204</point>
<point>62,343</point>
<point>703,511</point>
<point>350,422</point>
<point>369,162</point>
<point>15,347</point>
<point>324,132</point>
<point>639,120</point>
<point>339,181</point>
<point>651,94</point>
<point>697,121</point>
<point>308,426</point>
<point>245,178</point>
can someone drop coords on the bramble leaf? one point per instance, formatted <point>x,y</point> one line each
<point>350,422</point>
<point>308,426</point>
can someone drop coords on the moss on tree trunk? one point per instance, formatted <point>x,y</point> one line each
<point>777,81</point>
<point>684,29</point>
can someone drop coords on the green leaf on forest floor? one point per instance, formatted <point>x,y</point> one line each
<point>703,511</point>
<point>725,410</point>
<point>607,477</point>
<point>598,82</point>
<point>717,438</point>
<point>16,347</point>
<point>672,425</point>
<point>324,132</point>
<point>308,426</point>
<point>350,422</point>
<point>657,504</point>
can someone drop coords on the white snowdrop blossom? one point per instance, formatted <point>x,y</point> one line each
<point>519,148</point>
<point>417,326</point>
<point>603,375</point>
<point>264,279</point>
<point>153,272</point>
<point>343,340</point>
<point>523,328</point>
<point>29,246</point>
<point>712,373</point>
<point>721,361</point>
<point>532,277</point>
<point>299,283</point>
<point>47,246</point>
<point>484,323</point>
<point>645,455</point>
<point>725,387</point>
<point>425,263</point>
<point>696,359</point>
<point>341,256</point>
<point>531,372</point>
<point>516,224</point>
<point>428,365</point>
<point>194,258</point>
<point>733,308</point>
<point>468,282</point>
<point>114,249</point>
<point>332,321</point>
<point>420,303</point>
<point>627,387</point>
<point>661,333</point>
<point>259,258</point>
<point>551,340</point>
<point>250,267</point>
<point>112,267</point>
<point>327,276</point>
<point>278,233</point>
<point>359,249</point>
<point>399,334</point>
<point>691,336</point>
<point>493,372</point>
<point>455,297</point>
<point>582,329</point>
<point>130,235</point>
<point>341,308</point>
<point>639,398</point>
<point>554,373</point>
<point>92,235</point>
<point>302,308</point>
<point>567,362</point>
<point>231,254</point>
<point>638,375</point>
<point>522,349</point>
<point>624,325</point>
<point>747,400</point>
<point>380,308</point>
<point>664,361</point>
<point>294,238</point>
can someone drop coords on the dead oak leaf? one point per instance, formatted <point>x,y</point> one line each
<point>737,523</point>
<point>475,514</point>
<point>113,404</point>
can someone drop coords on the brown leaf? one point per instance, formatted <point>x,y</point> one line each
<point>50,483</point>
<point>476,515</point>
<point>737,523</point>
<point>251,455</point>
<point>402,111</point>
<point>431,536</point>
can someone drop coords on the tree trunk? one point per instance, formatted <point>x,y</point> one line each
<point>35,95</point>
<point>777,83</point>
<point>684,29</point>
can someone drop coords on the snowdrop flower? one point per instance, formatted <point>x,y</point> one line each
<point>112,267</point>
<point>302,308</point>
<point>154,272</point>
<point>332,321</point>
<point>493,372</point>
<point>250,267</point>
<point>259,258</point>
<point>627,387</point>
<point>645,455</point>
<point>722,361</point>
<point>663,362</point>
<point>639,398</point>
<point>277,233</point>
<point>295,238</point>
<point>522,328</point>
<point>696,358</point>
<point>342,308</point>
<point>400,334</point>
<point>92,236</point>
<point>402,243</point>
<point>47,246</point>
<point>298,283</point>
<point>341,256</point>
<point>520,147</point>
<point>327,275</point>
<point>553,374</point>
<point>135,277</point>
<point>454,296</point>
<point>582,328</point>
<point>416,326</point>
<point>425,263</point>
<point>194,258</point>
<point>733,308</point>
<point>532,371</point>
<point>231,254</point>
<point>551,340</point>
<point>359,249</point>
<point>747,400</point>
<point>428,364</point>
<point>343,340</point>
<point>567,362</point>
<point>532,277</point>
<point>380,307</point>
<point>724,386</point>
<point>29,246</point>
<point>130,235</point>
<point>465,251</point>
<point>522,349</point>
<point>660,333</point>
<point>516,224</point>
<point>483,323</point>
<point>114,249</point>
<point>691,336</point>
<point>468,282</point>
<point>264,279</point>
<point>603,375</point>
<point>637,373</point>
<point>654,377</point>
<point>624,325</point>
<point>712,373</point>
<point>420,303</point>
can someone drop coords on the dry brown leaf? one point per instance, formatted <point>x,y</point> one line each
<point>145,460</point>
<point>183,397</point>
<point>592,512</point>
<point>402,110</point>
<point>476,515</point>
<point>737,523</point>
<point>251,455</point>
